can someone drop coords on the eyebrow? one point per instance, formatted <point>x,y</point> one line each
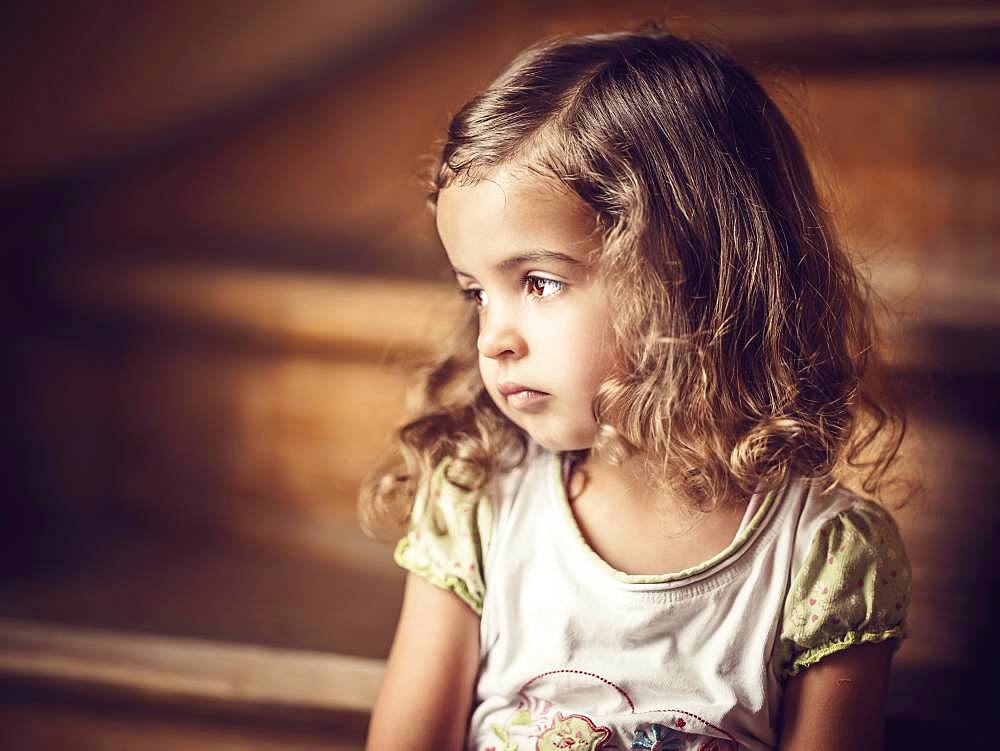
<point>535,254</point>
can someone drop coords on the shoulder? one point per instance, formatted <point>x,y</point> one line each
<point>452,526</point>
<point>850,584</point>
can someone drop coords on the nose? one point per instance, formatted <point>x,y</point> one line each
<point>499,335</point>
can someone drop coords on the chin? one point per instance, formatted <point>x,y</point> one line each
<point>562,443</point>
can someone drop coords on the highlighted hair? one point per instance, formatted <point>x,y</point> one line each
<point>745,336</point>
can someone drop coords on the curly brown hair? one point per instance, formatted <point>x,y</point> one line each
<point>745,335</point>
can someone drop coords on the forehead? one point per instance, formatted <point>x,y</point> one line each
<point>485,222</point>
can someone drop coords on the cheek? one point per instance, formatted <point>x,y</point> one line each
<point>597,351</point>
<point>594,376</point>
<point>487,371</point>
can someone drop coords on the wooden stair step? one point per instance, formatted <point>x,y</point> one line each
<point>180,671</point>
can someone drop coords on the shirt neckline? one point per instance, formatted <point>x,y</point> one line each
<point>748,531</point>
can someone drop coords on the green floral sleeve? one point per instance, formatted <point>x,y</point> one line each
<point>852,588</point>
<point>449,532</point>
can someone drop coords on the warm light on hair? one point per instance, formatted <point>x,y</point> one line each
<point>745,335</point>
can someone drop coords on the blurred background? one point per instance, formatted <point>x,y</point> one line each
<point>218,271</point>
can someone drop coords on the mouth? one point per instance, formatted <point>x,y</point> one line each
<point>525,398</point>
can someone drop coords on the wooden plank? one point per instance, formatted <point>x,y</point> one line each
<point>211,65</point>
<point>376,316</point>
<point>52,724</point>
<point>182,669</point>
<point>854,39</point>
<point>338,311</point>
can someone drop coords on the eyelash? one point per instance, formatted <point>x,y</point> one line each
<point>470,294</point>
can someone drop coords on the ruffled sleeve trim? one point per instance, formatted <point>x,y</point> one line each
<point>404,556</point>
<point>812,656</point>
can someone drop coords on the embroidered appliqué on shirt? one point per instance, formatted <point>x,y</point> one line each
<point>536,724</point>
<point>658,738</point>
<point>573,732</point>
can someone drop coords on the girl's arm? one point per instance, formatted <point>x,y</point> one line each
<point>427,690</point>
<point>838,703</point>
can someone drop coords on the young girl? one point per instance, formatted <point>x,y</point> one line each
<point>625,526</point>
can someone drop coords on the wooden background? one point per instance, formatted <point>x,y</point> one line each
<point>219,271</point>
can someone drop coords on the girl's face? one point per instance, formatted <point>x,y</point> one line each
<point>518,245</point>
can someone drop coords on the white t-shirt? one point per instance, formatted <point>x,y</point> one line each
<point>576,655</point>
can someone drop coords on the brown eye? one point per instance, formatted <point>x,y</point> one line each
<point>538,286</point>
<point>472,295</point>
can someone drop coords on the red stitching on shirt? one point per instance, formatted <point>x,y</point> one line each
<point>589,675</point>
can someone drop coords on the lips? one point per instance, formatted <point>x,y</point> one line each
<point>523,398</point>
<point>509,387</point>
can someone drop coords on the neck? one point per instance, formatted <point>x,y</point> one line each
<point>634,484</point>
